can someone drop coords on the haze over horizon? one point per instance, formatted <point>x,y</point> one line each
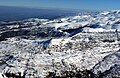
<point>65,4</point>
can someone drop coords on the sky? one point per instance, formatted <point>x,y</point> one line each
<point>65,4</point>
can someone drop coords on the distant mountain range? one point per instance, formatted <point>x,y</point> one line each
<point>19,13</point>
<point>9,13</point>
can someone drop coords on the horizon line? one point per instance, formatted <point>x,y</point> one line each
<point>52,8</point>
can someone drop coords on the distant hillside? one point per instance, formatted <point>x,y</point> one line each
<point>20,13</point>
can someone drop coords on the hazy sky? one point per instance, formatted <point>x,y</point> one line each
<point>71,4</point>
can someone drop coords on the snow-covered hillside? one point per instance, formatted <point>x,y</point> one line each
<point>34,47</point>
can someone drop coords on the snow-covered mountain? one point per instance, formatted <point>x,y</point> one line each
<point>34,47</point>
